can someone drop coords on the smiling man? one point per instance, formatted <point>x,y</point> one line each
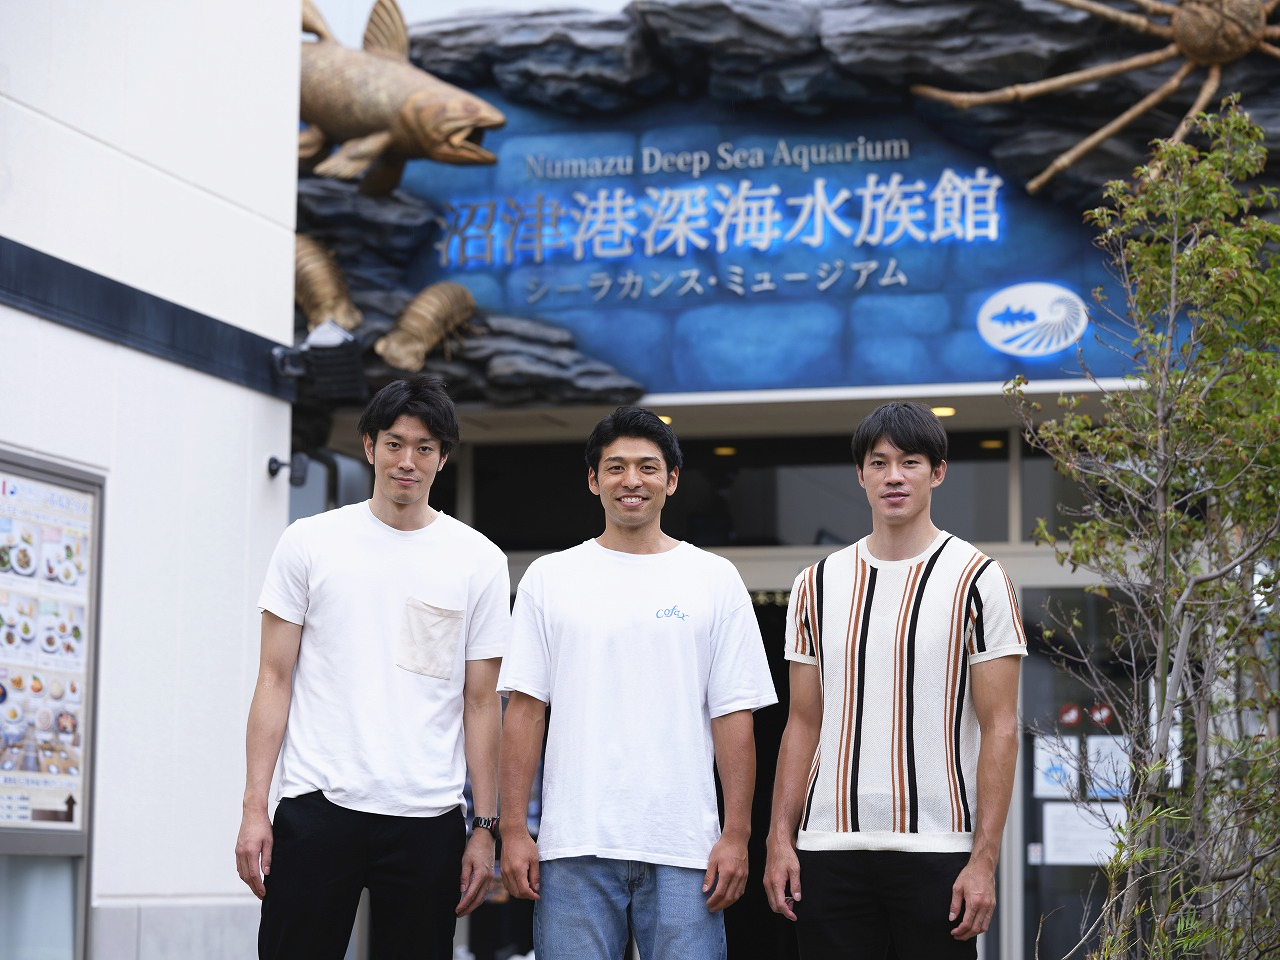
<point>897,762</point>
<point>648,651</point>
<point>383,625</point>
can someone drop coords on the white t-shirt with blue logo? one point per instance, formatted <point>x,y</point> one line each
<point>636,653</point>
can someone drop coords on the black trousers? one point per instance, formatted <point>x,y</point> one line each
<point>856,902</point>
<point>324,855</point>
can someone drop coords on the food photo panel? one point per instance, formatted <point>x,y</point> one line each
<point>19,627</point>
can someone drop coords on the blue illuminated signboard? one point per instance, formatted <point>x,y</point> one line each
<point>696,250</point>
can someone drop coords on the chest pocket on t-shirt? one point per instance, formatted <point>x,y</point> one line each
<point>429,639</point>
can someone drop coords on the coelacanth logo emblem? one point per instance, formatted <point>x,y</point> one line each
<point>1032,319</point>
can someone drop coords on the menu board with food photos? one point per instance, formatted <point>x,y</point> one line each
<point>47,570</point>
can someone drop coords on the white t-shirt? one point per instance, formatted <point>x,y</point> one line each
<point>635,653</point>
<point>389,618</point>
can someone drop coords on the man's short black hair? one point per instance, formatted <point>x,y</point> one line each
<point>418,396</point>
<point>909,426</point>
<point>633,422</point>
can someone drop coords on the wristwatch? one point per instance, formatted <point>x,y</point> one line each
<point>485,823</point>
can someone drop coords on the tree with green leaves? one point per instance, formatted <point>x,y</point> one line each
<point>1180,472</point>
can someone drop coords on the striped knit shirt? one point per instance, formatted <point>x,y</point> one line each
<point>897,759</point>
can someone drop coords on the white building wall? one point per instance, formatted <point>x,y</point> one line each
<point>190,520</point>
<point>154,143</point>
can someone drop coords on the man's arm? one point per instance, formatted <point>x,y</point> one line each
<point>482,736</point>
<point>795,758</point>
<point>268,714</point>
<point>994,685</point>
<point>521,749</point>
<point>735,744</point>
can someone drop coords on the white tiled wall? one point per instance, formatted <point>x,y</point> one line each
<point>208,931</point>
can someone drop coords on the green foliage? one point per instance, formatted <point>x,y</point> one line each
<point>1181,476</point>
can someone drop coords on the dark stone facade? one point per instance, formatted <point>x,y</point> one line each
<point>496,359</point>
<point>833,57</point>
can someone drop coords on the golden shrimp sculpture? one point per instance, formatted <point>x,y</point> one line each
<point>319,288</point>
<point>425,322</point>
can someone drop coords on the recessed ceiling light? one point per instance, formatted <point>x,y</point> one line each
<point>665,419</point>
<point>725,451</point>
<point>943,411</point>
<point>991,444</point>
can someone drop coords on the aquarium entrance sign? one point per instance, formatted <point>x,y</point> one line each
<point>697,251</point>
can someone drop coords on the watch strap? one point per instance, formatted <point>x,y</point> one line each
<point>485,823</point>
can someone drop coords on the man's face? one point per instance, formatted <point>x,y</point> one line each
<point>406,459</point>
<point>899,485</point>
<point>632,482</point>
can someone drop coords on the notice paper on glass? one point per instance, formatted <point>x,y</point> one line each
<point>1080,834</point>
<point>1057,767</point>
<point>1108,772</point>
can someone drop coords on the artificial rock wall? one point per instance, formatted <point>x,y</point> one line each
<point>849,56</point>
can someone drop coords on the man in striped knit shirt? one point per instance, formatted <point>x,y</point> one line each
<point>897,764</point>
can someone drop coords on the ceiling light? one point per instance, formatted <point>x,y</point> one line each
<point>725,451</point>
<point>943,411</point>
<point>991,444</point>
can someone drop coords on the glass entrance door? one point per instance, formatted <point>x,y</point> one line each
<point>1065,828</point>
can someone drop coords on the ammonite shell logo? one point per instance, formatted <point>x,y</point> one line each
<point>1032,319</point>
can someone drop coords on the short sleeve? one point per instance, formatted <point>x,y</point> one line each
<point>284,592</point>
<point>489,619</point>
<point>526,667</point>
<point>995,625</point>
<point>740,677</point>
<point>802,618</point>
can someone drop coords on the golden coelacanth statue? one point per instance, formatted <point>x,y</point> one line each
<point>381,108</point>
<point>1206,33</point>
<point>382,111</point>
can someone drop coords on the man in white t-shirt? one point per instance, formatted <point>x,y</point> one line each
<point>648,651</point>
<point>383,628</point>
<point>897,762</point>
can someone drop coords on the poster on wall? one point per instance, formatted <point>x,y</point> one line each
<point>47,557</point>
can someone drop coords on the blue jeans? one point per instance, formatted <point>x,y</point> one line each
<point>586,902</point>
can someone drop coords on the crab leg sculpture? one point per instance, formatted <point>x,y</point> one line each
<point>1206,33</point>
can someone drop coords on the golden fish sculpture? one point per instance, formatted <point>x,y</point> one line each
<point>425,322</point>
<point>380,107</point>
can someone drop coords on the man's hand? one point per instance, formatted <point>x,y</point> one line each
<point>268,714</point>
<point>477,871</point>
<point>795,758</point>
<point>726,872</point>
<point>253,850</point>
<point>782,878</point>
<point>994,685</point>
<point>520,865</point>
<point>974,892</point>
